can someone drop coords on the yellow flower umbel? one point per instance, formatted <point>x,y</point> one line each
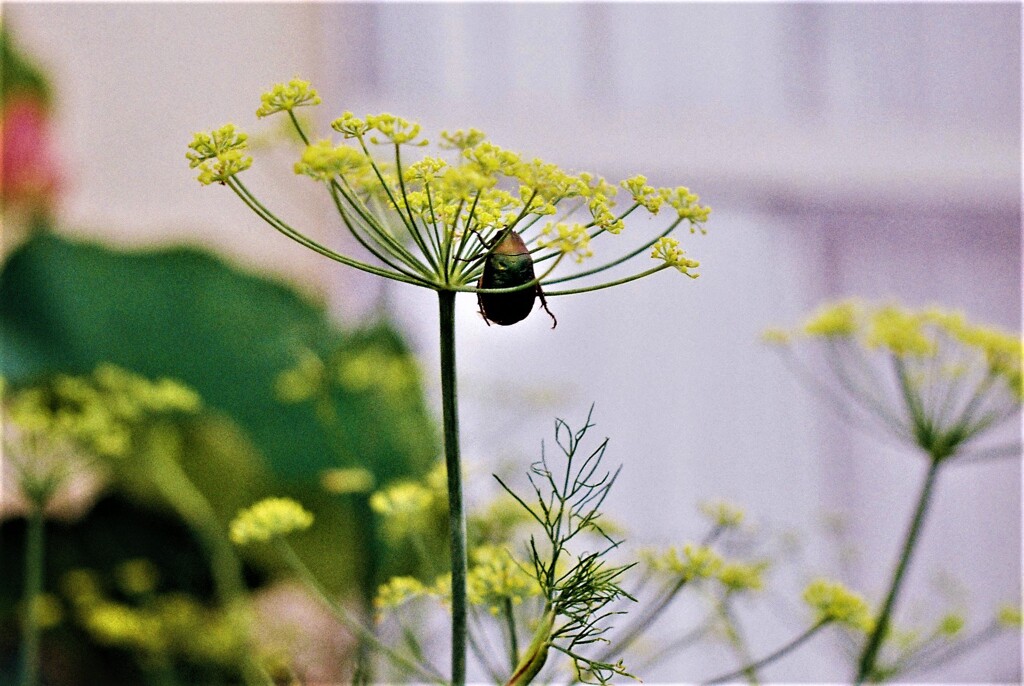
<point>269,519</point>
<point>954,380</point>
<point>497,581</point>
<point>435,221</point>
<point>931,378</point>
<point>833,602</point>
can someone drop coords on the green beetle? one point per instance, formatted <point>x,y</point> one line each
<point>509,264</point>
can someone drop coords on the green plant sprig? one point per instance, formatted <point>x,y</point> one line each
<point>577,588</point>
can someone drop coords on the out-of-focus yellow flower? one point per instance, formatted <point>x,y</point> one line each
<point>269,518</point>
<point>833,602</point>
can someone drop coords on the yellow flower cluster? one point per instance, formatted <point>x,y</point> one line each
<point>668,249</point>
<point>568,239</point>
<point>268,519</point>
<point>171,625</point>
<point>433,222</point>
<point>219,154</point>
<point>838,320</point>
<point>900,332</point>
<point>100,412</point>
<point>395,129</point>
<point>921,334</point>
<point>722,514</point>
<point>686,205</point>
<point>409,508</point>
<point>739,576</point>
<point>284,97</point>
<point>324,161</point>
<point>397,591</point>
<point>694,562</point>
<point>833,602</point>
<point>1010,616</point>
<point>347,480</point>
<point>460,140</point>
<point>643,194</point>
<point>541,184</point>
<point>496,578</point>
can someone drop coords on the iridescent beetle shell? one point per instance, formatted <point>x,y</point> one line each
<point>509,264</point>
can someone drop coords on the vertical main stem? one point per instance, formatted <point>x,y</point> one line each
<point>33,588</point>
<point>869,656</point>
<point>453,463</point>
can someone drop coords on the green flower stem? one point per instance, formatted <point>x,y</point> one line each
<point>453,463</point>
<point>413,231</point>
<point>536,653</point>
<point>593,234</point>
<point>30,629</point>
<point>376,236</point>
<point>179,491</point>
<point>680,644</point>
<point>417,236</point>
<point>243,193</point>
<point>614,263</point>
<point>869,656</point>
<point>739,645</point>
<point>768,659</point>
<point>932,659</point>
<point>610,284</point>
<point>353,625</point>
<point>647,619</point>
<point>330,420</point>
<point>513,640</point>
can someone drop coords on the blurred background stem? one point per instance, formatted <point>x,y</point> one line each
<point>869,656</point>
<point>33,589</point>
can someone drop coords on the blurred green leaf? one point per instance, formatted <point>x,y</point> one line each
<point>185,313</point>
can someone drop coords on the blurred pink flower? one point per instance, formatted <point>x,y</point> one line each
<point>28,166</point>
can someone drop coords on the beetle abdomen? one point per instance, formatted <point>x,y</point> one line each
<point>508,266</point>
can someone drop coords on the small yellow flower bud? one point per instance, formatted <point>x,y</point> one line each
<point>286,97</point>
<point>668,249</point>
<point>951,624</point>
<point>227,165</point>
<point>397,591</point>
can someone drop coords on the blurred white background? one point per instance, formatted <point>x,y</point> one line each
<point>847,149</point>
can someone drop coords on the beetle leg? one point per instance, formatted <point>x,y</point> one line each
<point>480,307</point>
<point>544,304</point>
